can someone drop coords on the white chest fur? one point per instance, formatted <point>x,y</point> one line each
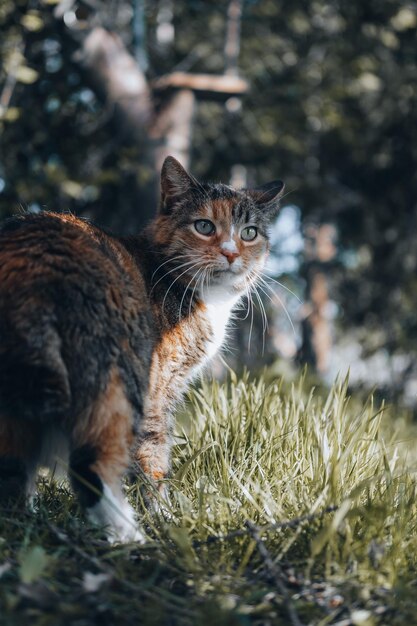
<point>218,309</point>
<point>181,356</point>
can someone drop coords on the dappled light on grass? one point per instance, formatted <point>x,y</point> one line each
<point>255,451</point>
<point>250,456</point>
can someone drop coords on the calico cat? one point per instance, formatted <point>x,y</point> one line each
<point>100,335</point>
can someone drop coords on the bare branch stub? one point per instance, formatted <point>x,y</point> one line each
<point>275,572</point>
<point>205,86</point>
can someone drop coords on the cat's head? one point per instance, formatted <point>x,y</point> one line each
<point>216,234</point>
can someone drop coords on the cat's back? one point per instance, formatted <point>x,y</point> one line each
<point>45,247</point>
<point>63,263</point>
<point>72,306</point>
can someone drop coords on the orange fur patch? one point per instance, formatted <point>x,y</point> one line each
<point>108,428</point>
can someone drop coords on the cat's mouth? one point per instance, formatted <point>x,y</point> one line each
<point>226,274</point>
<point>221,271</point>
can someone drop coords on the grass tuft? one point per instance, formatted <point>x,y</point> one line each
<point>248,456</point>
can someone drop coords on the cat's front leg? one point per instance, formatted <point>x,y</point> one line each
<point>153,455</point>
<point>167,384</point>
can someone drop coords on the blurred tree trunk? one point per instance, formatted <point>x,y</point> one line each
<point>317,331</point>
<point>119,80</point>
<point>172,129</point>
<point>232,43</point>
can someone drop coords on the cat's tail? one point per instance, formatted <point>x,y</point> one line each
<point>34,381</point>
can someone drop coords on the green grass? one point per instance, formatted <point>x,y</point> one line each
<point>252,456</point>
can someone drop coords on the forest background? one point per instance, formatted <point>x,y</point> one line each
<point>321,94</point>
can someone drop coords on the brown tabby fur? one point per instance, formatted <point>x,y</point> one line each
<point>101,335</point>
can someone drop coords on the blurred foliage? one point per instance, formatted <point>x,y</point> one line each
<point>332,110</point>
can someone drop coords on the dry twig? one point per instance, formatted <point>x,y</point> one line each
<point>241,532</point>
<point>275,573</point>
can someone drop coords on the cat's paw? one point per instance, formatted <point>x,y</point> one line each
<point>117,517</point>
<point>161,506</point>
<point>125,534</point>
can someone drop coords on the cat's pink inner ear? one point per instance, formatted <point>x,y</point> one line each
<point>271,192</point>
<point>174,180</point>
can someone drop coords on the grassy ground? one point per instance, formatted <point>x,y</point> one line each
<point>253,456</point>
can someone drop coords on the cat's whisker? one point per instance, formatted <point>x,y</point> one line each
<point>202,280</point>
<point>250,308</point>
<point>189,255</point>
<point>176,279</point>
<point>174,269</point>
<point>251,319</point>
<point>247,303</point>
<point>266,294</point>
<point>186,290</point>
<point>192,295</point>
<point>262,277</point>
<point>275,295</point>
<point>207,278</point>
<point>183,296</point>
<point>242,305</point>
<point>264,317</point>
<point>175,258</point>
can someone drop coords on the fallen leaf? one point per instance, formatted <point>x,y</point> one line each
<point>32,564</point>
<point>93,582</point>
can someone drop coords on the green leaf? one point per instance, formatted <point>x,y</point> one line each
<point>33,563</point>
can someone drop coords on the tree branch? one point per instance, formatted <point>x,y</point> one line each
<point>118,79</point>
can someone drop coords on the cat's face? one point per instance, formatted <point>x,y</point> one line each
<point>216,234</point>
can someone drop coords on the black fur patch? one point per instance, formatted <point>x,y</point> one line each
<point>13,477</point>
<point>86,483</point>
<point>11,224</point>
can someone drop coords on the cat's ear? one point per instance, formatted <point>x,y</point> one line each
<point>267,196</point>
<point>175,182</point>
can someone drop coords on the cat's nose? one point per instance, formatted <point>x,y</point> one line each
<point>229,254</point>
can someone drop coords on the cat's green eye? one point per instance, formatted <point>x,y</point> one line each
<point>204,227</point>
<point>249,233</point>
